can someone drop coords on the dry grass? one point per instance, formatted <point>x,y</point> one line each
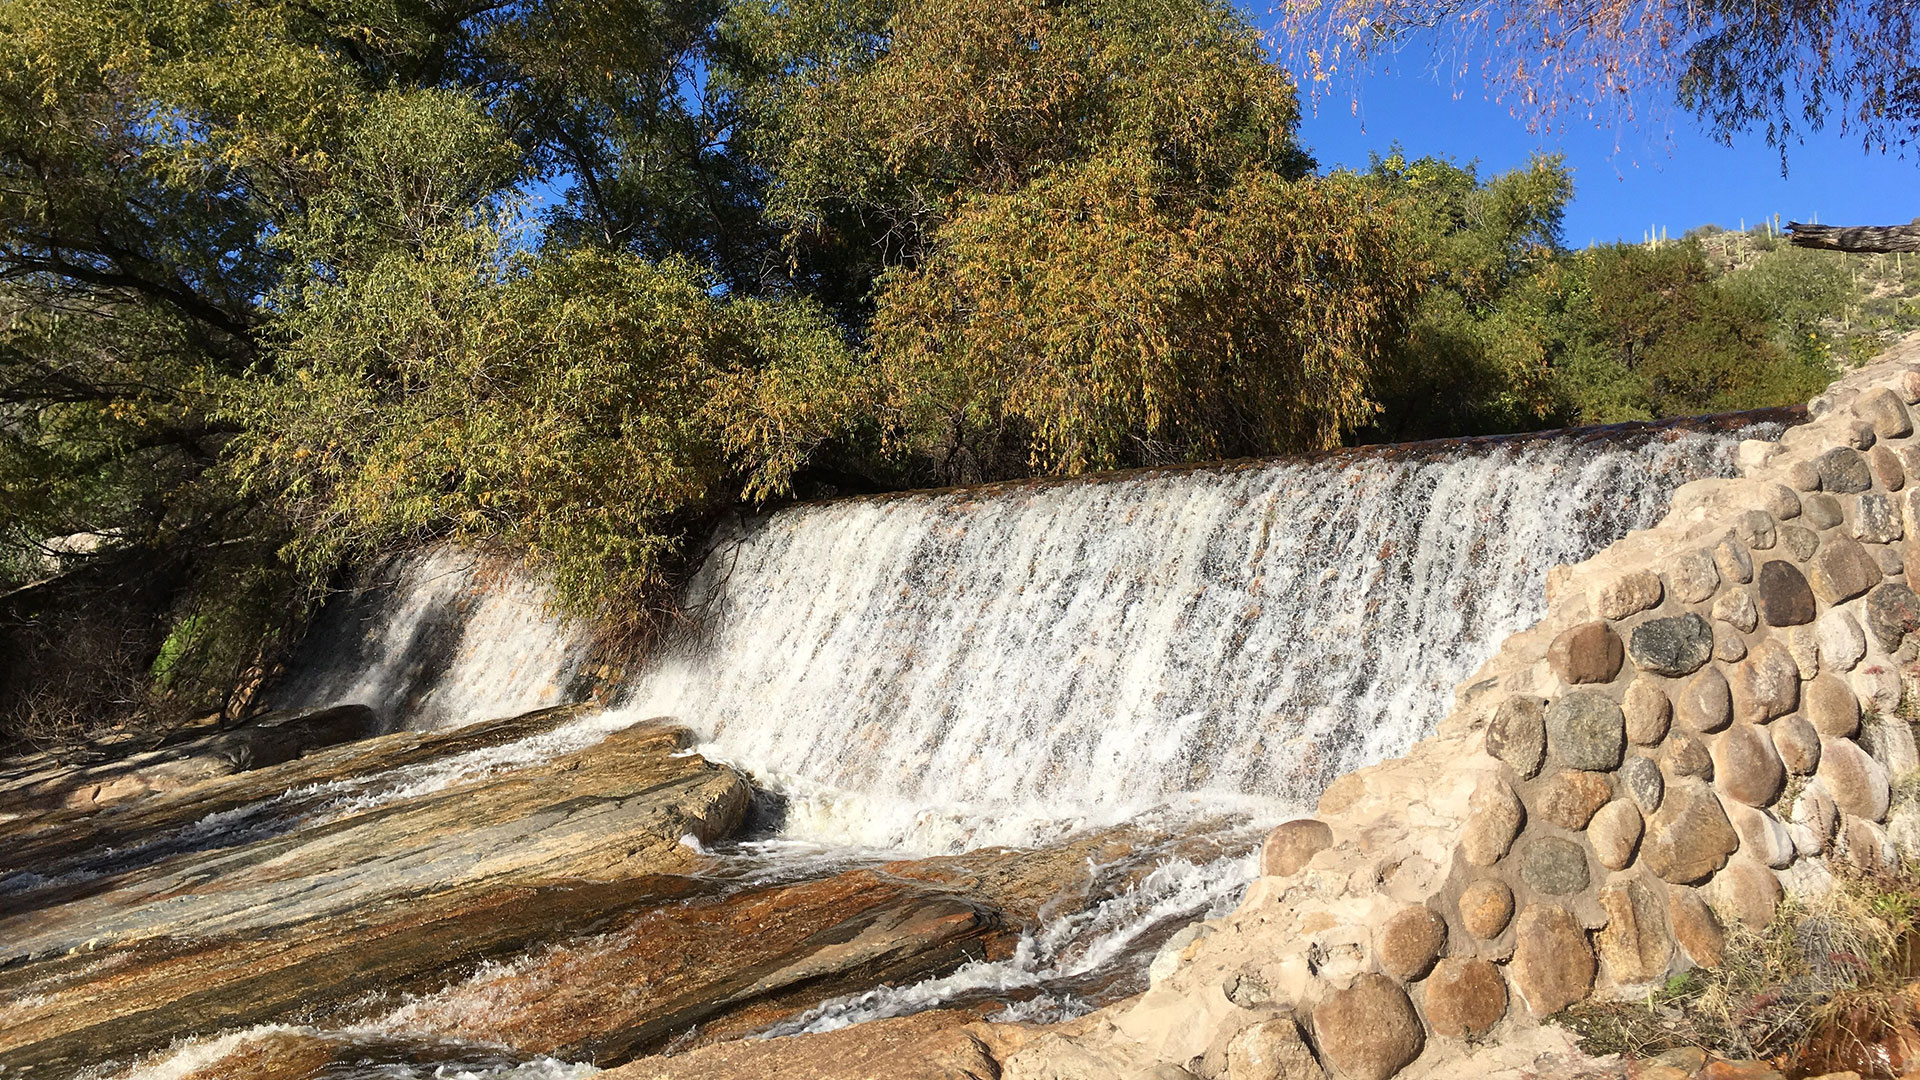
<point>1840,966</point>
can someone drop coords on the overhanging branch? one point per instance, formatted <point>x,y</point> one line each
<point>1864,239</point>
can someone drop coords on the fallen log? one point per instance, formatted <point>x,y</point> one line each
<point>1864,239</point>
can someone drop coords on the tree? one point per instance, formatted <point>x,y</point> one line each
<point>1783,68</point>
<point>1478,355</point>
<point>1087,227</point>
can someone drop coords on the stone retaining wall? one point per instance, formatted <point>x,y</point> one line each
<point>1710,715</point>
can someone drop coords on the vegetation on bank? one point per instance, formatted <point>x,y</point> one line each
<point>286,286</point>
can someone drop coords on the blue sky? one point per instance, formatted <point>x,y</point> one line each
<point>1663,173</point>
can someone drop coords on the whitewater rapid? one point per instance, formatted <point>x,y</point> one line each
<point>936,672</point>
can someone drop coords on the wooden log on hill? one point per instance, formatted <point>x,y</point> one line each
<point>1865,239</point>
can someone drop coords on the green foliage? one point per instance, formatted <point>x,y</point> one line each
<point>1080,324</point>
<point>1652,334</point>
<point>580,407</point>
<point>1478,357</point>
<point>1515,332</point>
<point>876,121</point>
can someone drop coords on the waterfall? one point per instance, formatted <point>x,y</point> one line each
<point>437,639</point>
<point>932,672</point>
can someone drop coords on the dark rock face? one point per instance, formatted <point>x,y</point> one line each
<point>1587,731</point>
<point>474,864</point>
<point>1893,612</point>
<point>1554,866</point>
<point>1843,471</point>
<point>1783,595</point>
<point>1673,646</point>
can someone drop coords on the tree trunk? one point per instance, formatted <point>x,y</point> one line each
<point>1867,239</point>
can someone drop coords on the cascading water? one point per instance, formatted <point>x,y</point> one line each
<point>942,671</point>
<point>1192,653</point>
<point>435,641</point>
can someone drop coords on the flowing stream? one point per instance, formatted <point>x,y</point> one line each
<point>934,673</point>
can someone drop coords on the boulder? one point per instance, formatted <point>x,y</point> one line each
<point>1615,834</point>
<point>1881,408</point>
<point>1842,570</point>
<point>1556,867</point>
<point>1494,817</point>
<point>1642,779</point>
<point>1804,477</point>
<point>1674,646</point>
<point>1735,607</point>
<point>1867,847</point>
<point>1693,577</point>
<point>1486,906</point>
<point>1755,529</point>
<point>1843,471</point>
<point>1634,946</point>
<point>1706,702</point>
<point>1781,501</point>
<point>1587,653</point>
<point>1763,837</point>
<point>1891,743</point>
<point>1687,755</point>
<point>1746,767</point>
<point>1842,642</point>
<point>1271,1050</point>
<point>1803,644</point>
<point>1368,1031</point>
<point>1832,707</point>
<point>1798,743</point>
<point>1647,711</point>
<point>1586,730</point>
<point>1517,734</point>
<point>1465,998</point>
<point>1878,688</point>
<point>1293,844</point>
<point>1410,941</point>
<point>1728,646</point>
<point>1747,891</point>
<point>1553,966</point>
<point>1876,520</point>
<point>1730,558</point>
<point>1857,783</point>
<point>1798,542</point>
<point>1893,612</point>
<point>1570,797</point>
<point>1628,594</point>
<point>1783,596</point>
<point>1886,469</point>
<point>1766,684</point>
<point>1823,511</point>
<point>1690,838</point>
<point>1696,929</point>
<point>1814,812</point>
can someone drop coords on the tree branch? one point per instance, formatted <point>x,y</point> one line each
<point>1865,239</point>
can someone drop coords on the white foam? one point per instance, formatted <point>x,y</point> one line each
<point>936,672</point>
<point>1064,948</point>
